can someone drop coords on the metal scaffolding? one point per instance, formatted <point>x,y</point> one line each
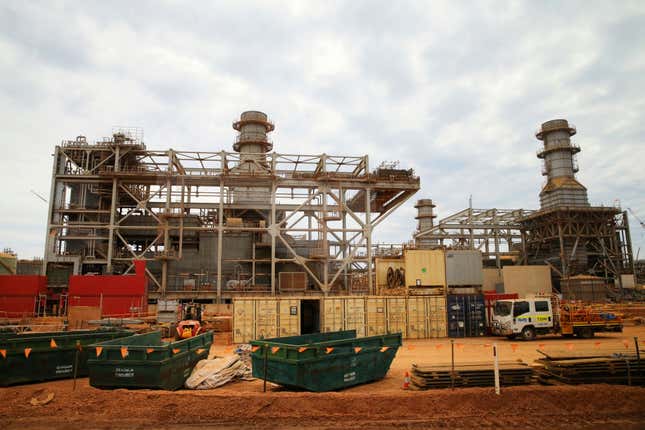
<point>494,232</point>
<point>572,240</point>
<point>114,201</point>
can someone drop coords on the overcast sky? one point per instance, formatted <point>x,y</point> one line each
<point>454,90</point>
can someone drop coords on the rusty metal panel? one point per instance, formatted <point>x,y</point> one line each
<point>376,315</point>
<point>425,268</point>
<point>333,314</point>
<point>396,315</point>
<point>266,318</point>
<point>355,315</point>
<point>289,317</point>
<point>527,280</point>
<point>464,267</point>
<point>243,320</point>
<point>292,281</point>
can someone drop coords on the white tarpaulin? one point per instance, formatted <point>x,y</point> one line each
<point>214,373</point>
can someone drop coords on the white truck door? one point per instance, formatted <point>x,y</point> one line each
<point>542,313</point>
<point>521,315</point>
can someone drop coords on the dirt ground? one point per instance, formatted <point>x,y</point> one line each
<point>382,404</point>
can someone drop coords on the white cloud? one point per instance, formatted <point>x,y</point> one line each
<point>454,90</point>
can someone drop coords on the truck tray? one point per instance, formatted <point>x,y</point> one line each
<point>324,361</point>
<point>43,356</point>
<point>145,361</point>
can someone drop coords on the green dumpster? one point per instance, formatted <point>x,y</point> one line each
<point>324,361</point>
<point>145,361</point>
<point>33,357</point>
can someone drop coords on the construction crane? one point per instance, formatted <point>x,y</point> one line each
<point>640,221</point>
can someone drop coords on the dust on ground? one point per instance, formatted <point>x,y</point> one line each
<point>382,404</point>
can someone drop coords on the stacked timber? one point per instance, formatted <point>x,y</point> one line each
<point>426,377</point>
<point>594,368</point>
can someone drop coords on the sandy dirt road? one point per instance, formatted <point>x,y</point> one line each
<point>380,405</point>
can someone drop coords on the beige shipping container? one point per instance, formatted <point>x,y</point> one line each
<point>243,320</point>
<point>355,315</point>
<point>492,279</point>
<point>527,280</point>
<point>417,318</point>
<point>266,318</point>
<point>397,315</point>
<point>376,315</point>
<point>333,313</point>
<point>426,268</point>
<point>436,311</point>
<point>289,317</point>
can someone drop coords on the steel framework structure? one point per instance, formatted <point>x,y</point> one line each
<point>495,232</point>
<point>593,240</point>
<point>114,201</point>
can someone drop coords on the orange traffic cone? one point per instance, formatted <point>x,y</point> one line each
<point>406,381</point>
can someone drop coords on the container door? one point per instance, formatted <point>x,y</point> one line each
<point>436,307</point>
<point>476,316</point>
<point>243,321</point>
<point>333,314</point>
<point>266,319</point>
<point>396,315</point>
<point>289,317</point>
<point>376,317</point>
<point>355,315</point>
<point>416,318</point>
<point>456,314</point>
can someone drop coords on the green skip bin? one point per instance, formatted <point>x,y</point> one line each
<point>145,361</point>
<point>324,361</point>
<point>43,356</point>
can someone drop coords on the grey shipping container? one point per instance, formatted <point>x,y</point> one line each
<point>464,268</point>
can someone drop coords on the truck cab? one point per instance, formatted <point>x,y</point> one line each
<point>523,317</point>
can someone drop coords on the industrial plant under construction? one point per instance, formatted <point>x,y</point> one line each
<point>255,225</point>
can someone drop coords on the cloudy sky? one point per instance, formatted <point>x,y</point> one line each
<point>452,89</point>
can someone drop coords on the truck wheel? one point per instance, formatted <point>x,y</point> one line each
<point>528,333</point>
<point>586,333</point>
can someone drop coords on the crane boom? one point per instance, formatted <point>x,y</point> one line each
<point>640,221</point>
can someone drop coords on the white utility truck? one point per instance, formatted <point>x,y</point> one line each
<point>533,316</point>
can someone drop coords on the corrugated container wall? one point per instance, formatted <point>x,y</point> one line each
<point>376,315</point>
<point>527,280</point>
<point>466,316</point>
<point>243,320</point>
<point>414,317</point>
<point>425,268</point>
<point>464,268</point>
